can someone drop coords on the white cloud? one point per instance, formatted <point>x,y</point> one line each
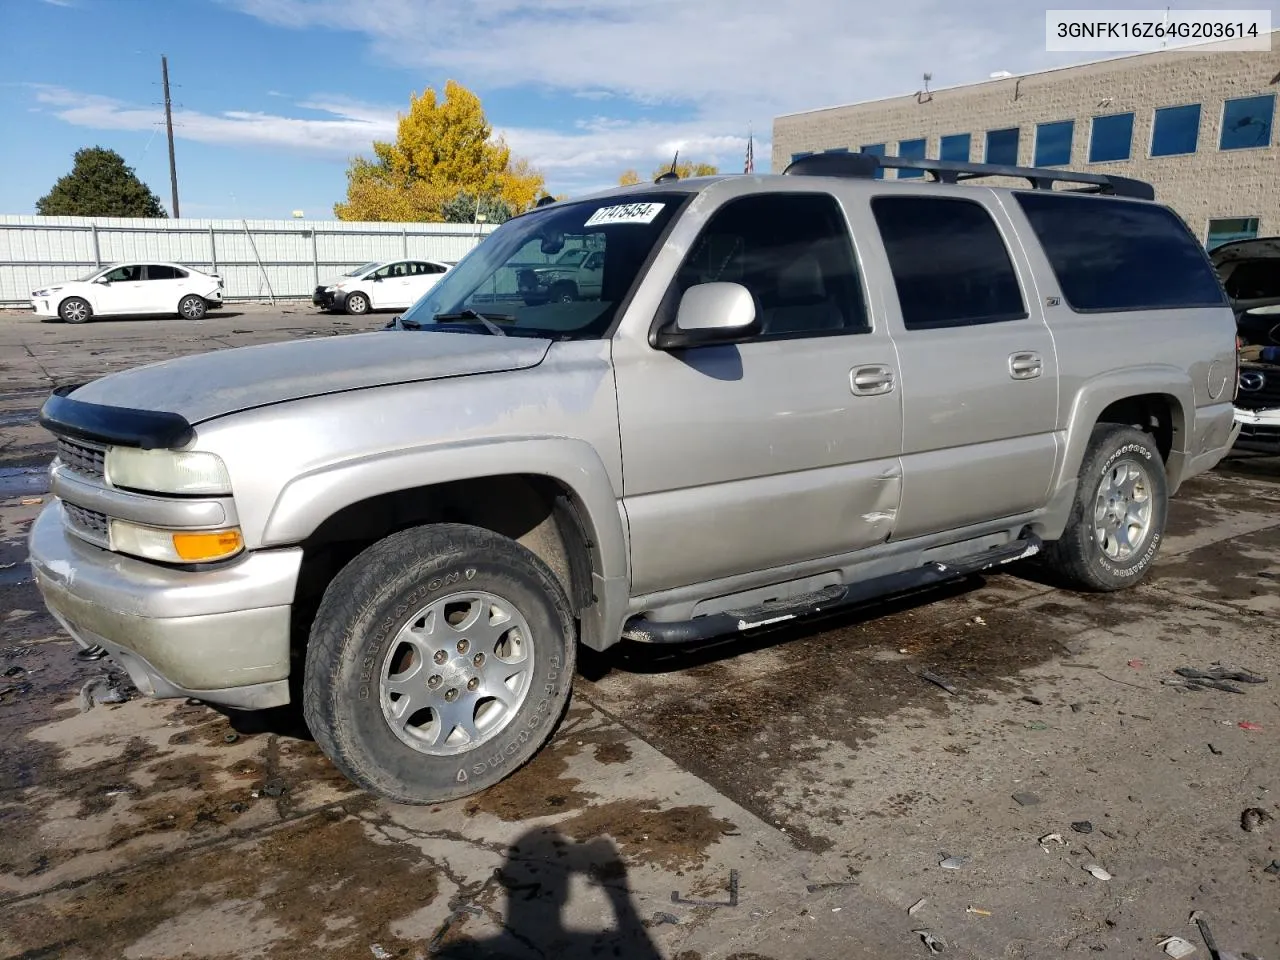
<point>592,154</point>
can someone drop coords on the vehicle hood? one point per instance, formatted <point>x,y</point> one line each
<point>1257,248</point>
<point>214,384</point>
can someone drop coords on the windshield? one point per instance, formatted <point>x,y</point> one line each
<point>561,271</point>
<point>363,268</point>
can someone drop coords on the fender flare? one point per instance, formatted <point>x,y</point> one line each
<point>1093,396</point>
<point>308,500</point>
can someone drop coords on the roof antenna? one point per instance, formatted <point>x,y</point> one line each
<point>924,96</point>
<point>670,174</point>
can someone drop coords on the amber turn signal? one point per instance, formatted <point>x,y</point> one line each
<point>207,545</point>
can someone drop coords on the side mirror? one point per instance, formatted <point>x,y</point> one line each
<point>711,313</point>
<point>552,243</point>
<point>102,279</point>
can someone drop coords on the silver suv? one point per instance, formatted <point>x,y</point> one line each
<point>790,393</point>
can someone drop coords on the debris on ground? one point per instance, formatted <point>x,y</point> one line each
<point>1052,838</point>
<point>1247,725</point>
<point>15,671</point>
<point>231,738</point>
<point>1255,820</point>
<point>660,918</point>
<point>732,901</point>
<point>977,911</point>
<point>978,621</point>
<point>275,788</point>
<point>832,885</point>
<point>954,863</point>
<point>106,688</point>
<point>935,679</point>
<point>1077,707</point>
<point>1272,868</point>
<point>1034,700</point>
<point>1037,725</point>
<point>88,654</point>
<point>1177,947</point>
<point>915,907</point>
<point>31,501</point>
<point>1136,664</point>
<point>1220,673</point>
<point>380,952</point>
<point>1082,826</point>
<point>1214,750</point>
<point>1026,799</point>
<point>934,944</point>
<point>1096,871</point>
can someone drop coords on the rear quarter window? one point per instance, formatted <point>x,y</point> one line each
<point>1112,255</point>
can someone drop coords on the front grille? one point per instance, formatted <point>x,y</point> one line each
<point>81,458</point>
<point>90,523</point>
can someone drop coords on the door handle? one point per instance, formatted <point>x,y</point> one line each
<point>1025,366</point>
<point>871,380</point>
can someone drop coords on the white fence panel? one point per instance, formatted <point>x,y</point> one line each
<point>256,259</point>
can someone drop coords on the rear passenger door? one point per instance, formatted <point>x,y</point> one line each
<point>422,278</point>
<point>164,287</point>
<point>979,370</point>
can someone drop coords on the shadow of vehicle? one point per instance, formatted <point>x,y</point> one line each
<point>536,878</point>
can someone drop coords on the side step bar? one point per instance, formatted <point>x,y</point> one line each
<point>642,630</point>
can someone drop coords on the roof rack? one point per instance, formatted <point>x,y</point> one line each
<point>865,165</point>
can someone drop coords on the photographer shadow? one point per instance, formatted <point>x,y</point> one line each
<point>536,878</point>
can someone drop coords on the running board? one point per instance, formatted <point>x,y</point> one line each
<point>836,597</point>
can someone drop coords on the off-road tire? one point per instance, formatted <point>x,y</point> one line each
<point>192,307</point>
<point>357,304</point>
<point>360,616</point>
<point>1077,557</point>
<point>75,310</point>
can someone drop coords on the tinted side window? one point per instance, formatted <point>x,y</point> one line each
<point>125,274</point>
<point>157,271</point>
<point>1120,254</point>
<point>949,262</point>
<point>792,251</point>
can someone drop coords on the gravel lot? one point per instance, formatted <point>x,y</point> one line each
<point>811,765</point>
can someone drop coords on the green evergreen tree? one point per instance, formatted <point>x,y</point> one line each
<point>100,184</point>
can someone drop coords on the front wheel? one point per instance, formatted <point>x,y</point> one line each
<point>440,661</point>
<point>75,310</point>
<point>357,304</point>
<point>1118,517</point>
<point>193,307</point>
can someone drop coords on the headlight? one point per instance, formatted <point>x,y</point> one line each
<point>175,546</point>
<point>166,471</point>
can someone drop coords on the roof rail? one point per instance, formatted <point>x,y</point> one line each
<point>865,165</point>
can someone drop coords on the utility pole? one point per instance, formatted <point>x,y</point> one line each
<point>168,123</point>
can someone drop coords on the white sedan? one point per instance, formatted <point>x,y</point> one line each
<point>138,288</point>
<point>380,285</point>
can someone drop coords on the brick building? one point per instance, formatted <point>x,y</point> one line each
<point>1197,123</point>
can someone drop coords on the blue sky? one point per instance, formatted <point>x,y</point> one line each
<point>273,96</point>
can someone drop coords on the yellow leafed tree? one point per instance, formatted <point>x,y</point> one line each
<point>685,170</point>
<point>444,149</point>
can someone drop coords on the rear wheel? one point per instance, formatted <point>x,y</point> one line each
<point>440,661</point>
<point>75,310</point>
<point>1118,517</point>
<point>193,307</point>
<point>357,304</point>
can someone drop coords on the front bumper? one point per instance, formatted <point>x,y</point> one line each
<point>219,635</point>
<point>44,306</point>
<point>329,299</point>
<point>1259,430</point>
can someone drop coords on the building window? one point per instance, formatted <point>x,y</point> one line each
<point>1175,130</point>
<point>911,150</point>
<point>955,146</point>
<point>1053,143</point>
<point>876,149</point>
<point>837,150</point>
<point>1002,146</point>
<point>1231,228</point>
<point>801,156</point>
<point>1112,138</point>
<point>1247,122</point>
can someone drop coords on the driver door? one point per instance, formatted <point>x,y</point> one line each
<point>124,292</point>
<point>749,457</point>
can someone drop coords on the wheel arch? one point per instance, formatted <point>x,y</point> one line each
<point>560,504</point>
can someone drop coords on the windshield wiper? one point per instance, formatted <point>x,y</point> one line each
<point>470,314</point>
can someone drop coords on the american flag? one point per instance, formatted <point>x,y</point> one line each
<point>750,165</point>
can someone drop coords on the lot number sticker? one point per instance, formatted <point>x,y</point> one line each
<point>626,213</point>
